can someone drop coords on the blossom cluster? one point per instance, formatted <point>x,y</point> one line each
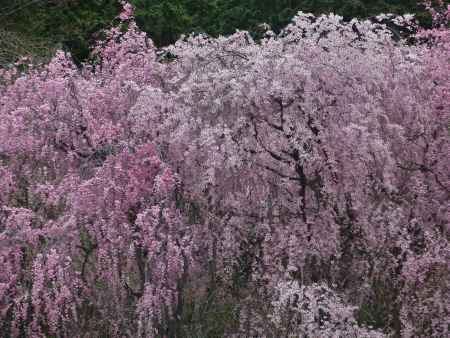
<point>304,176</point>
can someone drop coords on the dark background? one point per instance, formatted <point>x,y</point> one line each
<point>38,27</point>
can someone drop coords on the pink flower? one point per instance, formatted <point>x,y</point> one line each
<point>127,11</point>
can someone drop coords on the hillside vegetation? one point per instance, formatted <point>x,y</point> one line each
<point>38,27</point>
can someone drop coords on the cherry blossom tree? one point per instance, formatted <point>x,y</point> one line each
<point>92,242</point>
<point>304,176</point>
<point>322,151</point>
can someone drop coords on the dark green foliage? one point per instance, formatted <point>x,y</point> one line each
<point>42,25</point>
<point>213,315</point>
<point>165,20</point>
<point>67,24</point>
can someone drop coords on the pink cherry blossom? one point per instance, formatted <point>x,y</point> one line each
<point>302,178</point>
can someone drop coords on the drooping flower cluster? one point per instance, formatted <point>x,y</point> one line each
<point>91,239</point>
<point>269,169</point>
<point>304,311</point>
<point>324,150</point>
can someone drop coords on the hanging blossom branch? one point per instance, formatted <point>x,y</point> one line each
<point>300,182</point>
